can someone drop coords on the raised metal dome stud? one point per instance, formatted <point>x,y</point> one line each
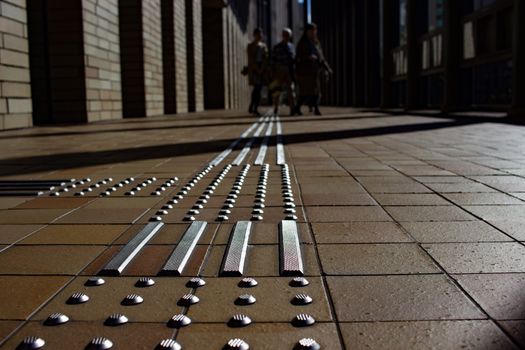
<point>245,299</point>
<point>303,320</point>
<point>289,211</point>
<point>248,282</point>
<point>227,206</point>
<point>106,193</point>
<point>235,191</point>
<point>197,206</point>
<point>132,299</point>
<point>291,217</point>
<point>120,185</point>
<point>78,298</point>
<point>148,181</point>
<point>193,211</point>
<point>299,282</point>
<point>208,192</point>
<point>161,188</point>
<point>175,178</point>
<point>162,212</point>
<point>302,299</point>
<point>239,320</point>
<point>99,343</point>
<point>188,299</point>
<point>225,212</point>
<point>155,219</point>
<point>167,206</point>
<point>230,200</point>
<point>81,193</point>
<point>30,343</point>
<point>259,206</point>
<point>56,319</point>
<point>94,282</point>
<point>189,218</point>
<point>178,196</point>
<point>196,282</point>
<point>232,196</point>
<point>116,320</point>
<point>168,344</point>
<point>307,344</point>
<point>236,344</point>
<point>257,218</point>
<point>257,212</point>
<point>223,218</point>
<point>97,185</point>
<point>179,321</point>
<point>145,282</point>
<point>173,201</point>
<point>289,205</point>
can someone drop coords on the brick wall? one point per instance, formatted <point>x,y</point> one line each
<point>15,90</point>
<point>102,59</point>
<point>194,55</point>
<point>152,36</point>
<point>181,57</point>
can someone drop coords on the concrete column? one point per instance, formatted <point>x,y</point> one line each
<point>213,48</point>
<point>168,56</point>
<point>15,90</point>
<point>518,61</point>
<point>181,60</point>
<point>372,58</point>
<point>358,59</point>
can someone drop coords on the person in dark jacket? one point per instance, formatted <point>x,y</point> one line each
<point>257,68</point>
<point>283,59</point>
<point>310,66</point>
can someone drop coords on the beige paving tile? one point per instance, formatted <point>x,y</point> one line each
<point>499,212</point>
<point>31,216</point>
<point>124,203</point>
<point>403,199</point>
<point>375,259</point>
<point>500,295</point>
<point>76,234</point>
<point>429,213</point>
<point>22,295</point>
<point>459,231</point>
<point>425,335</point>
<point>515,229</point>
<point>54,203</point>
<point>460,188</point>
<point>338,199</point>
<point>47,260</point>
<point>11,202</point>
<point>399,298</point>
<point>478,257</point>
<point>359,232</point>
<point>516,330</point>
<point>276,336</point>
<point>103,216</point>
<point>346,214</point>
<point>396,188</point>
<point>12,233</point>
<point>482,198</point>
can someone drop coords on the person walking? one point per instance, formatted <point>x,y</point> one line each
<point>257,69</point>
<point>310,65</point>
<point>283,59</point>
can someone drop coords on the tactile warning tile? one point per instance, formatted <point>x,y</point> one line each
<point>276,336</point>
<point>159,305</point>
<point>77,335</point>
<point>274,300</point>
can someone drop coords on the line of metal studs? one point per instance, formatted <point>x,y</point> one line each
<point>181,320</point>
<point>203,198</point>
<point>229,203</point>
<point>73,183</point>
<point>163,187</point>
<point>260,194</point>
<point>286,188</point>
<point>181,194</point>
<point>134,190</point>
<point>109,190</point>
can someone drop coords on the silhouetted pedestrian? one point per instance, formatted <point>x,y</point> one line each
<point>283,59</point>
<point>257,68</point>
<point>310,65</point>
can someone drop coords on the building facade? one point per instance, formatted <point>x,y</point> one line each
<point>84,61</point>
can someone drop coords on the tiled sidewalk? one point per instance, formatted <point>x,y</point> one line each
<point>411,231</point>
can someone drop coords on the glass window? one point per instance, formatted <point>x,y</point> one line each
<point>435,14</point>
